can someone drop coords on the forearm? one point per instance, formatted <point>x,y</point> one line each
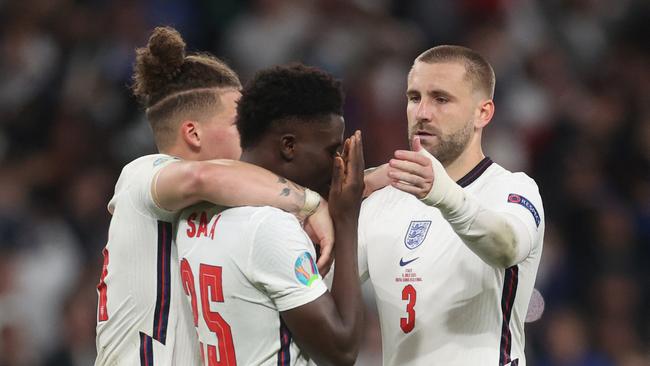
<point>346,288</point>
<point>375,179</point>
<point>496,237</point>
<point>226,183</point>
<point>236,183</point>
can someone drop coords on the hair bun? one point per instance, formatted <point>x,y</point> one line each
<point>168,48</point>
<point>158,63</point>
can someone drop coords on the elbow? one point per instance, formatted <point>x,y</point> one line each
<point>506,250</point>
<point>194,179</point>
<point>343,350</point>
<point>498,248</point>
<point>505,260</point>
<point>349,353</point>
<point>345,357</point>
<point>348,359</point>
<point>199,178</point>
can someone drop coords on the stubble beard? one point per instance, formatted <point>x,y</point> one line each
<point>449,147</point>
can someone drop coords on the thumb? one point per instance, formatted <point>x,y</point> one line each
<point>416,146</point>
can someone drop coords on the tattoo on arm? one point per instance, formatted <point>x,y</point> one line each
<point>290,188</point>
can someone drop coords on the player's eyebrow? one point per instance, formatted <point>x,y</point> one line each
<point>440,93</point>
<point>412,92</point>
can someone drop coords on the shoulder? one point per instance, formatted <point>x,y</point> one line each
<point>255,218</point>
<point>500,178</point>
<point>507,188</point>
<point>387,197</point>
<point>271,217</point>
<point>144,166</point>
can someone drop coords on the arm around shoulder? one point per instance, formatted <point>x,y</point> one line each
<point>226,183</point>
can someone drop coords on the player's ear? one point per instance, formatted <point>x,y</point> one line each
<point>287,146</point>
<point>484,112</point>
<point>191,134</point>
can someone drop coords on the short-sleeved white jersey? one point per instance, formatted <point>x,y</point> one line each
<point>139,321</point>
<point>240,268</point>
<point>438,302</point>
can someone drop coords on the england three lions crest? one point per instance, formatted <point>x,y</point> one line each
<point>416,233</point>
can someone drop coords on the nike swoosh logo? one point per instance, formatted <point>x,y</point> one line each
<point>403,263</point>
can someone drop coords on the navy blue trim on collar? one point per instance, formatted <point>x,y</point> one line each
<point>473,174</point>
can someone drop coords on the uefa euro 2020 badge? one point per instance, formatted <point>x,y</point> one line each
<point>305,269</point>
<point>416,233</point>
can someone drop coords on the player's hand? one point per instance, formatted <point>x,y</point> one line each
<point>375,179</point>
<point>412,171</point>
<point>320,229</point>
<point>347,185</point>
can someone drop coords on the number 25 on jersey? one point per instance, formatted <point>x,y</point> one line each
<point>210,285</point>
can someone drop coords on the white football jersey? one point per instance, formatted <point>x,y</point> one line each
<point>438,302</point>
<point>240,268</point>
<point>139,321</point>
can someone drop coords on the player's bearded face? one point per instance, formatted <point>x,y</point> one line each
<point>446,147</point>
<point>441,108</point>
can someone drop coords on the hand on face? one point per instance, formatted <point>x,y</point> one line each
<point>347,180</point>
<point>412,171</point>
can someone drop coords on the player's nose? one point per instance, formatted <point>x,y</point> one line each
<point>423,112</point>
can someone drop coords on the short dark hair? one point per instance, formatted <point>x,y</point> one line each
<point>478,70</point>
<point>167,81</point>
<point>285,92</point>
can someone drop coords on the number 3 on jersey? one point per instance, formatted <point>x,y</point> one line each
<point>409,294</point>
<point>210,283</point>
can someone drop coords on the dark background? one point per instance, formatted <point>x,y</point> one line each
<point>573,112</point>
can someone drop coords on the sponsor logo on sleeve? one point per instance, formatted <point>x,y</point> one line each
<point>416,233</point>
<point>305,269</point>
<point>521,200</point>
<point>163,159</point>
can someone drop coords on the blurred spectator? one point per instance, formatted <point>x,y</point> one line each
<point>573,111</point>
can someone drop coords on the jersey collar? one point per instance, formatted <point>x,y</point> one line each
<point>476,172</point>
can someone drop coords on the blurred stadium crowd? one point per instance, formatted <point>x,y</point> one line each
<point>573,111</point>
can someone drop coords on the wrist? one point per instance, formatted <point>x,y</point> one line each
<point>346,221</point>
<point>311,204</point>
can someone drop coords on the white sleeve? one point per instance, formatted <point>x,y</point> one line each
<point>281,262</point>
<point>143,184</point>
<point>493,232</point>
<point>520,203</point>
<point>362,245</point>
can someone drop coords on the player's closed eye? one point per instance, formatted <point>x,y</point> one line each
<point>336,150</point>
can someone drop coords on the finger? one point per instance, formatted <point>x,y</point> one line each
<point>416,145</point>
<point>326,258</point>
<point>360,163</point>
<point>417,192</point>
<point>352,154</point>
<point>412,179</point>
<point>346,148</point>
<point>412,156</point>
<point>408,167</point>
<point>337,174</point>
<point>355,164</point>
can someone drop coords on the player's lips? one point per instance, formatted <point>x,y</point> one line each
<point>425,135</point>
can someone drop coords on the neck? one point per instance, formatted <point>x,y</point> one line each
<point>466,161</point>
<point>250,157</point>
